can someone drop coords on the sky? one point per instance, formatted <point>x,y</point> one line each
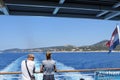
<point>37,31</point>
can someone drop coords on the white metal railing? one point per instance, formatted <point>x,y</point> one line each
<point>62,74</point>
<point>81,70</point>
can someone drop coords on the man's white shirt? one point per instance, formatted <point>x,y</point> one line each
<point>31,65</point>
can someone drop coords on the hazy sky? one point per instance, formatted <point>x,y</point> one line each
<point>35,32</point>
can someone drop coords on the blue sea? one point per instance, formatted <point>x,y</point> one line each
<point>64,61</point>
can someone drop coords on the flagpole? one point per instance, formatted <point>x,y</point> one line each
<point>118,32</point>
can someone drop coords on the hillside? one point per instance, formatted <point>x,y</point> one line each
<point>100,46</point>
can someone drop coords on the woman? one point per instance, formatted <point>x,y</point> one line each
<point>48,67</point>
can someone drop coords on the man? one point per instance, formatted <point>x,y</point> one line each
<point>28,65</point>
<point>48,67</point>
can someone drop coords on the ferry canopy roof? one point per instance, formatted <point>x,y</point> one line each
<point>94,9</point>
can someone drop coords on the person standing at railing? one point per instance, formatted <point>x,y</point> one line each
<point>28,68</point>
<point>48,67</point>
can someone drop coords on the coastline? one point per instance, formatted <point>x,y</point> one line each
<point>61,51</point>
<point>79,51</point>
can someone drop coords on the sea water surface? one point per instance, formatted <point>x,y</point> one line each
<point>64,61</point>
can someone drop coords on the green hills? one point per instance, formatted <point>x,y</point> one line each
<point>100,46</point>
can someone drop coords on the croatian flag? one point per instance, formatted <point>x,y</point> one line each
<point>115,39</point>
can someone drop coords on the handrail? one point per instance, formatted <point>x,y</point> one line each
<point>89,70</point>
<point>81,70</point>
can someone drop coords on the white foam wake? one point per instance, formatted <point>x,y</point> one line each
<point>15,66</point>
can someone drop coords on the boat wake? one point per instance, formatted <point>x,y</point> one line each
<point>15,66</point>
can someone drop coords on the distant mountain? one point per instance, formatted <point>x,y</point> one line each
<point>12,50</point>
<point>56,48</point>
<point>101,43</point>
<point>100,46</point>
<point>53,48</point>
<point>95,47</point>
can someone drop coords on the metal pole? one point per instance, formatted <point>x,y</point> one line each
<point>81,70</point>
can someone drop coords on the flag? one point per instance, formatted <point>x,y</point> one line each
<point>115,39</point>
